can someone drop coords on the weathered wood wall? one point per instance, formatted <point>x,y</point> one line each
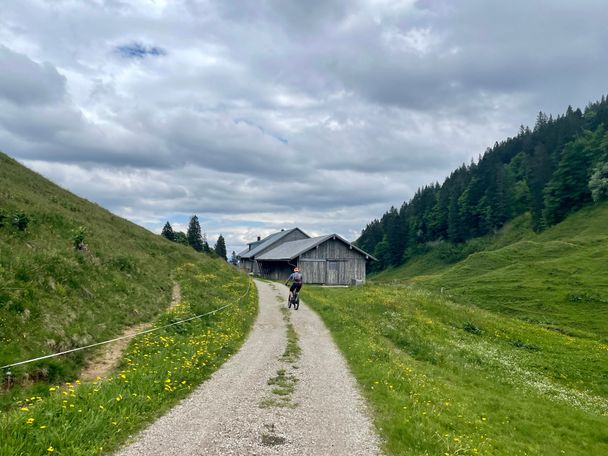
<point>332,263</point>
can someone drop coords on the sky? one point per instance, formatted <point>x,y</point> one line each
<point>258,116</point>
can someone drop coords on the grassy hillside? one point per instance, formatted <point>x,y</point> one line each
<point>453,379</point>
<point>54,297</point>
<point>556,278</point>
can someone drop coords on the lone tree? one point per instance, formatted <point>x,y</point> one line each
<point>220,248</point>
<point>168,232</point>
<point>195,239</point>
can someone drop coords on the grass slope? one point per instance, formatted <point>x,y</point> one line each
<point>556,278</point>
<point>54,297</point>
<point>446,378</point>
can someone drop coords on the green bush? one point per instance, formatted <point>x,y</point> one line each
<point>20,220</point>
<point>17,219</point>
<point>78,236</point>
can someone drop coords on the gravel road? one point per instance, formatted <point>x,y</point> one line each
<point>236,412</point>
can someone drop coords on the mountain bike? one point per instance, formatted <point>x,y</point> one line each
<point>294,300</point>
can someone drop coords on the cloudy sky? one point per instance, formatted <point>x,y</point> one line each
<point>264,115</point>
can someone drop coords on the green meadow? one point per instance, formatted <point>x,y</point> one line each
<point>447,378</point>
<point>556,279</point>
<point>496,347</point>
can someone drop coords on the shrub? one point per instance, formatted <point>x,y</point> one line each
<point>78,236</point>
<point>20,220</point>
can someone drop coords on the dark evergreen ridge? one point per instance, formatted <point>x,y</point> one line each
<point>555,169</point>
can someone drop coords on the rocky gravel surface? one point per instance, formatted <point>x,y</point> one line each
<point>236,412</point>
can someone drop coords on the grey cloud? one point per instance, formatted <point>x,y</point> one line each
<point>25,82</point>
<point>292,16</point>
<point>506,49</point>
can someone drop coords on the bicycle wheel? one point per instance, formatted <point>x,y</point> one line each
<point>296,303</point>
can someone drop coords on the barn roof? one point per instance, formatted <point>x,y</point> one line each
<point>293,249</point>
<point>260,246</point>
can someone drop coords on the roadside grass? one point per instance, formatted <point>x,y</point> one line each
<point>292,350</point>
<point>556,279</point>
<point>445,378</point>
<point>158,369</point>
<point>284,383</point>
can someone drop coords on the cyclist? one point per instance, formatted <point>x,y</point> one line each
<point>296,278</point>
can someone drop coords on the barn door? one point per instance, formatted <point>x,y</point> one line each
<point>333,270</point>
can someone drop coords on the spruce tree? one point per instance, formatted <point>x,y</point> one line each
<point>167,232</point>
<point>539,169</point>
<point>181,238</point>
<point>195,239</point>
<point>455,225</point>
<point>206,247</point>
<point>568,189</point>
<point>382,254</point>
<point>220,248</point>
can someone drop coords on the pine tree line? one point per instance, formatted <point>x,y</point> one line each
<point>555,169</point>
<point>196,238</point>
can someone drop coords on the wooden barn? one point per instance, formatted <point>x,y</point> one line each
<point>329,260</point>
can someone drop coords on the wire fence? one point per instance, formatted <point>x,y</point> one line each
<point>97,344</point>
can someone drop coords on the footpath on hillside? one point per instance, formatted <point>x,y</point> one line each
<point>288,391</point>
<point>108,358</point>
